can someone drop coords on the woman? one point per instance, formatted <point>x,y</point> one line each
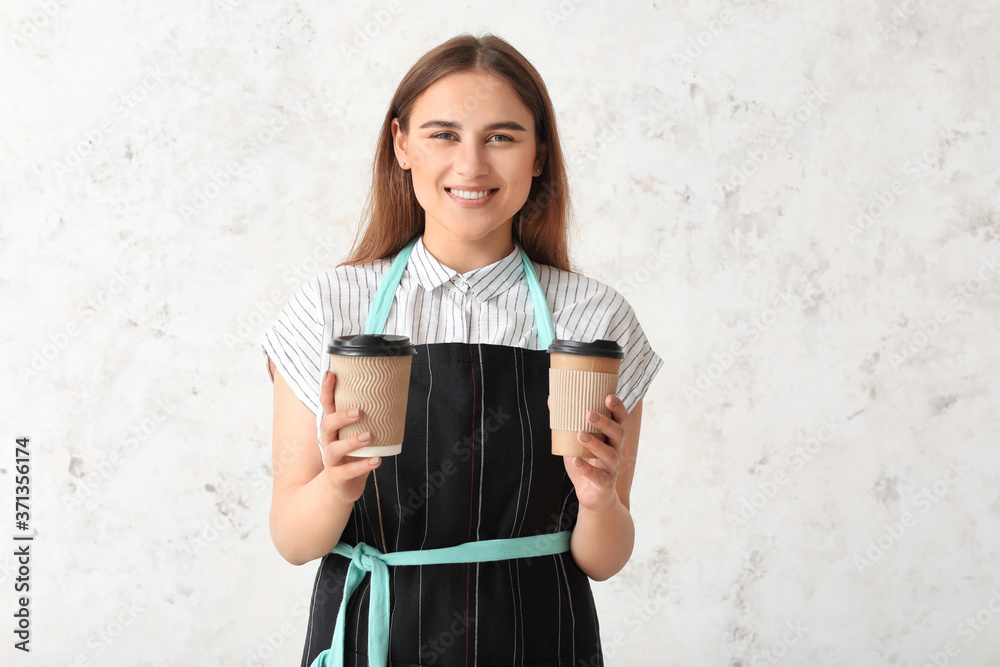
<point>468,184</point>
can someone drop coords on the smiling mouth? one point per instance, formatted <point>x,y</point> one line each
<point>471,195</point>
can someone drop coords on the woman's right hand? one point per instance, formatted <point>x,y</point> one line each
<point>346,475</point>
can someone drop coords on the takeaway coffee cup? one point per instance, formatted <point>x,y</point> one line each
<point>580,376</point>
<point>373,373</point>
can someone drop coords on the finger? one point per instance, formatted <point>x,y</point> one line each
<point>617,408</point>
<point>605,453</point>
<point>613,431</point>
<point>597,476</point>
<point>357,467</point>
<point>339,449</point>
<point>326,392</point>
<point>331,424</point>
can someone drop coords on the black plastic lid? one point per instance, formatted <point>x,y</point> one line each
<point>598,348</point>
<point>371,345</point>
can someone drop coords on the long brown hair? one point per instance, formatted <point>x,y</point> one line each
<point>393,217</point>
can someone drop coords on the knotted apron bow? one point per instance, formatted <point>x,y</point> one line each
<point>365,558</point>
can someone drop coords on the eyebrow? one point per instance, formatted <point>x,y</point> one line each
<point>503,125</point>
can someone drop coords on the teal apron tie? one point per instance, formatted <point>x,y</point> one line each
<point>365,558</point>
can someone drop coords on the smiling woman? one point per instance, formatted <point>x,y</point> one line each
<point>474,544</point>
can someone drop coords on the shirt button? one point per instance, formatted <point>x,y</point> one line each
<point>460,284</point>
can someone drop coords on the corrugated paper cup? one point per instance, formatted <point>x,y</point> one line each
<point>580,376</point>
<point>373,373</point>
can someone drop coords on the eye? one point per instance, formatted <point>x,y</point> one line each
<point>441,134</point>
<point>501,136</point>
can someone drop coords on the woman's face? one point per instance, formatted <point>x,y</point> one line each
<point>469,132</point>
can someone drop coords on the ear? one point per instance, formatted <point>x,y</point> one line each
<point>540,154</point>
<point>399,144</point>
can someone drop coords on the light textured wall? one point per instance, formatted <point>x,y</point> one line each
<point>799,200</point>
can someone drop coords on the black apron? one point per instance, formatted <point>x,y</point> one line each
<point>476,464</point>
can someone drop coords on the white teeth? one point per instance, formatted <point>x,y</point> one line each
<point>465,194</point>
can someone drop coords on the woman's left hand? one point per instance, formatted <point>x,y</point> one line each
<point>595,479</point>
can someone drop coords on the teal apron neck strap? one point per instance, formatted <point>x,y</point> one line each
<point>543,320</point>
<point>386,292</point>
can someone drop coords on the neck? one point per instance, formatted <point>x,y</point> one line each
<point>464,255</point>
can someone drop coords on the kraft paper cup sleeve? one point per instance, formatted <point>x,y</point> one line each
<point>379,385</point>
<point>574,393</point>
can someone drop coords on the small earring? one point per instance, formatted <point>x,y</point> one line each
<point>402,164</point>
<point>538,171</point>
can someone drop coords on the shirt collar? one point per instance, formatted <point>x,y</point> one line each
<point>485,282</point>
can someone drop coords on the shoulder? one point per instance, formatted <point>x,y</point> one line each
<point>587,309</point>
<point>341,284</point>
<point>585,298</point>
<point>343,293</point>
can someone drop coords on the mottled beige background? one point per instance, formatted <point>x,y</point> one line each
<point>799,200</point>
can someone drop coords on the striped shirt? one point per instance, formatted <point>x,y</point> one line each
<point>436,304</point>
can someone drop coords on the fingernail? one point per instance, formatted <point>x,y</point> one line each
<point>584,436</point>
<point>365,437</point>
<point>373,461</point>
<point>613,401</point>
<point>353,412</point>
<point>594,416</point>
<point>578,462</point>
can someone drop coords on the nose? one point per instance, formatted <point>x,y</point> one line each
<point>471,161</point>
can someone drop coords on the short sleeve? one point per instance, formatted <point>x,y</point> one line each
<point>294,344</point>
<point>641,363</point>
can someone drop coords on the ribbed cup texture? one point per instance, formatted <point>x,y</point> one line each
<point>574,394</point>
<point>379,386</point>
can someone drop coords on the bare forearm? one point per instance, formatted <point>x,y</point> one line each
<point>602,540</point>
<point>307,521</point>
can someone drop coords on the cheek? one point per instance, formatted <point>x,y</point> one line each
<point>426,192</point>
